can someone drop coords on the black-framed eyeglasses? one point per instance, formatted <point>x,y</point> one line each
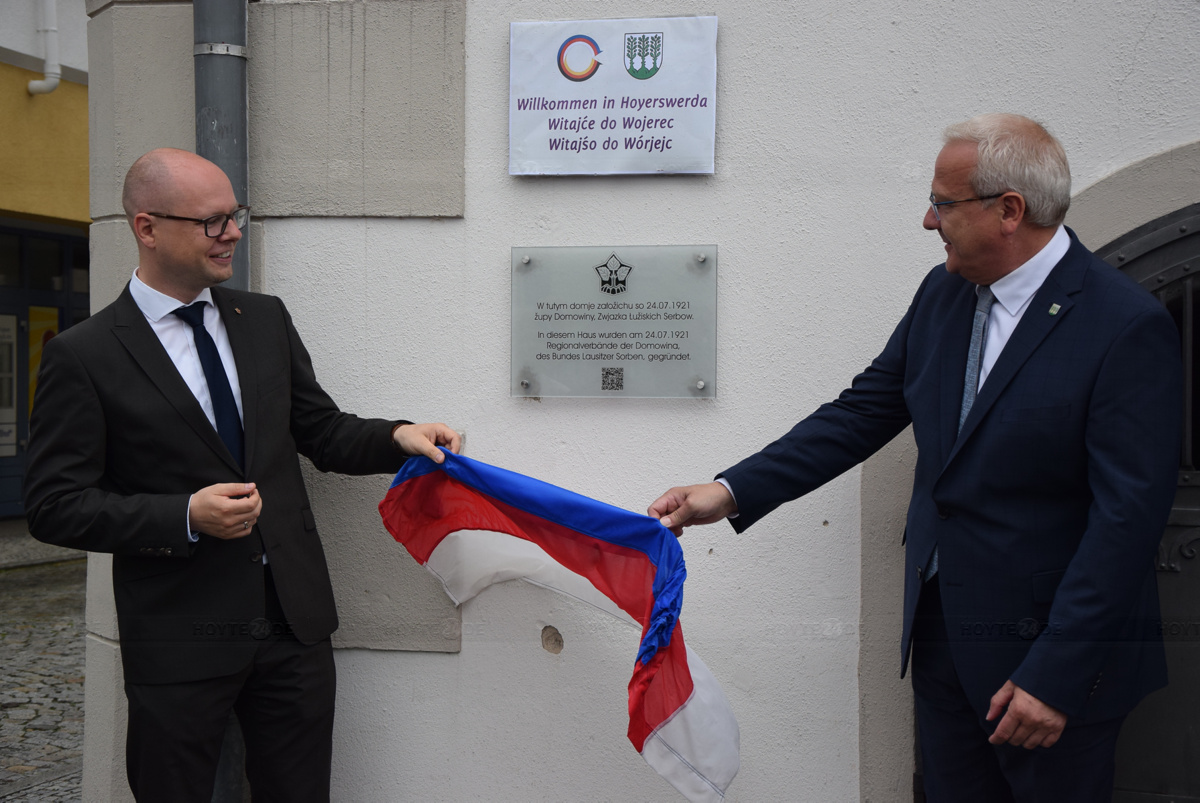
<point>936,204</point>
<point>214,226</point>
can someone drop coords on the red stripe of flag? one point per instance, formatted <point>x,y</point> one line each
<point>423,510</point>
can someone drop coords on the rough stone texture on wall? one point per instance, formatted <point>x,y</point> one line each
<point>141,94</point>
<point>114,255</point>
<point>365,361</point>
<point>357,109</point>
<point>140,97</point>
<point>886,744</point>
<point>385,600</point>
<point>101,613</point>
<point>104,717</point>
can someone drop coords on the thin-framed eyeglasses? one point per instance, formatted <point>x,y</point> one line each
<point>214,226</point>
<point>935,204</point>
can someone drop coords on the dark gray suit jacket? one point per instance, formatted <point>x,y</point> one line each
<point>118,443</point>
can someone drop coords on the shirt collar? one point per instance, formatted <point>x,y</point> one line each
<point>155,305</point>
<point>1015,290</point>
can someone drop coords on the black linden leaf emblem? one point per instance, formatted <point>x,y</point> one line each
<point>613,274</point>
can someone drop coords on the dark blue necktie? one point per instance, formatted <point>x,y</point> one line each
<point>229,425</point>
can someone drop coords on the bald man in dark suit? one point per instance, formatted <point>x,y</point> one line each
<point>170,437</point>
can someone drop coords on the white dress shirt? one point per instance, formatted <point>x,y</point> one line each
<point>175,334</point>
<point>176,337</point>
<point>1013,294</point>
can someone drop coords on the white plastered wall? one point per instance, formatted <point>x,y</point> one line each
<point>828,121</point>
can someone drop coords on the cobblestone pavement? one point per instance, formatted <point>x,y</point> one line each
<point>41,681</point>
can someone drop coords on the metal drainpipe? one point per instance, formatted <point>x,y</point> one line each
<point>222,127</point>
<point>222,118</point>
<point>51,68</point>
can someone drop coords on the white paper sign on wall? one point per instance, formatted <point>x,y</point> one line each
<point>600,97</point>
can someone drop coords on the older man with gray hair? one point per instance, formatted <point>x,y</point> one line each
<point>1044,390</point>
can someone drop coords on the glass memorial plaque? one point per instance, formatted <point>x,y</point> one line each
<point>615,321</point>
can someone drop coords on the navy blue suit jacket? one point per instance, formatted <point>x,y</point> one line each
<point>1047,508</point>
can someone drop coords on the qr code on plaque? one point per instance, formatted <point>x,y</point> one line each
<point>612,378</point>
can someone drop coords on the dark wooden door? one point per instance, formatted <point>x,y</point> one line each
<point>1158,756</point>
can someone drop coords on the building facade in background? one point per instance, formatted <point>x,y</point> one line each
<point>385,216</point>
<point>43,208</point>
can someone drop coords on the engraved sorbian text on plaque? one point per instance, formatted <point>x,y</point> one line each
<point>635,321</point>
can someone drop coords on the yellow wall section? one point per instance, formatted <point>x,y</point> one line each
<point>43,149</point>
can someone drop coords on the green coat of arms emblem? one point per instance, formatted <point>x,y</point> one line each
<point>643,54</point>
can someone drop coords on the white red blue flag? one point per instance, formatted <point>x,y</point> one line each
<point>473,524</point>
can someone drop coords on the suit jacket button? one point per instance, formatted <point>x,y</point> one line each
<point>255,557</point>
<point>943,513</point>
<point>167,551</point>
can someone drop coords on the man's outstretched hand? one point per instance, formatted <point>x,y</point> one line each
<point>692,504</point>
<point>424,439</point>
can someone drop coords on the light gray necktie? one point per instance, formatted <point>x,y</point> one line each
<point>983,308</point>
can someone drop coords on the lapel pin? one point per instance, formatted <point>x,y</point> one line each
<point>1054,308</point>
<point>238,310</point>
